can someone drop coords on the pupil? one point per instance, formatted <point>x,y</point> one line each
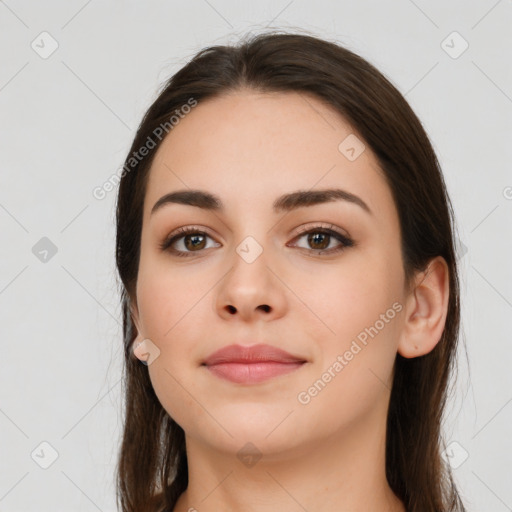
<point>314,239</point>
<point>193,241</point>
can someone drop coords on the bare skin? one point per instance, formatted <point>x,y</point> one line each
<point>323,450</point>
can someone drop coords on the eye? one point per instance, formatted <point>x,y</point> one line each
<point>192,239</point>
<point>319,238</point>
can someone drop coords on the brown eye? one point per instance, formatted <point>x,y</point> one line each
<point>319,239</point>
<point>189,240</point>
<point>186,241</point>
<point>195,241</point>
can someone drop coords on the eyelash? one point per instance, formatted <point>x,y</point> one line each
<point>182,232</point>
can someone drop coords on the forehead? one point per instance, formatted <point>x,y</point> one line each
<point>249,147</point>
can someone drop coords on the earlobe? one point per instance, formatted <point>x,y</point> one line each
<point>426,310</point>
<point>136,351</point>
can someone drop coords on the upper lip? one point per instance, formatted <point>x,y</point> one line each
<point>251,354</point>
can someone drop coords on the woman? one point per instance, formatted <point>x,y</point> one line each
<point>290,290</point>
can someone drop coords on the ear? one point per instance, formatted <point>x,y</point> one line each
<point>134,312</point>
<point>426,310</point>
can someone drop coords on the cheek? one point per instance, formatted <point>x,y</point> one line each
<point>167,296</point>
<point>355,363</point>
<point>362,309</point>
<point>353,297</point>
<point>174,310</point>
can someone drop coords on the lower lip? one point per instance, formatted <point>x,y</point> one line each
<point>249,373</point>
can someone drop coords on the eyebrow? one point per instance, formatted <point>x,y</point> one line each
<point>284,203</point>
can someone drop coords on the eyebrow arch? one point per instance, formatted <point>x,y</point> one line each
<point>286,202</point>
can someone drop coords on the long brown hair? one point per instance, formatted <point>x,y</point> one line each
<point>152,467</point>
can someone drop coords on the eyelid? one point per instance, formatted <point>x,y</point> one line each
<point>320,225</point>
<point>344,239</point>
<point>183,231</point>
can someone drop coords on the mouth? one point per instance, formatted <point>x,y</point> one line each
<point>252,372</point>
<point>251,364</point>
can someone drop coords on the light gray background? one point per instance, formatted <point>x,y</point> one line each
<point>67,122</point>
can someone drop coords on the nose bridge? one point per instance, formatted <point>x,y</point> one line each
<point>252,233</point>
<point>251,249</point>
<point>250,263</point>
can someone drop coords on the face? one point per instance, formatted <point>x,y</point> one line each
<point>323,280</point>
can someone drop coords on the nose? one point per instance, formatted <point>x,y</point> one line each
<point>251,290</point>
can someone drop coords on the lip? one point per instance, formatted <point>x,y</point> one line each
<point>251,364</point>
<point>251,354</point>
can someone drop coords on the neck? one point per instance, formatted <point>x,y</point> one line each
<point>343,472</point>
